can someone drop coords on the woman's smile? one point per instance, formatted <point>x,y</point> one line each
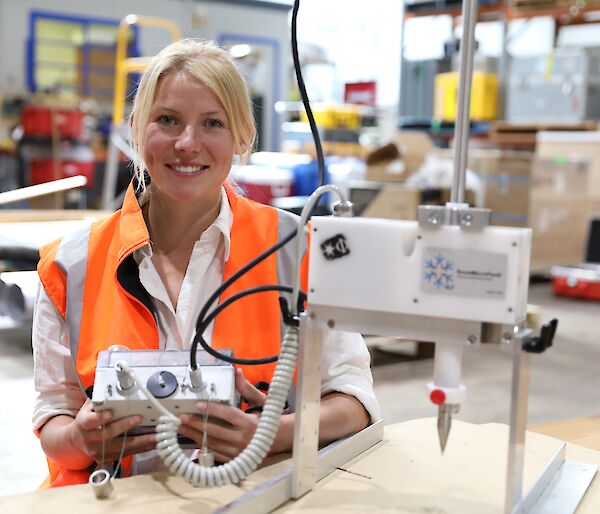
<point>187,169</point>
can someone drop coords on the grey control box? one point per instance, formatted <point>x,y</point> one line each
<point>166,374</point>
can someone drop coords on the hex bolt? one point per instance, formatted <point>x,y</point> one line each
<point>472,339</point>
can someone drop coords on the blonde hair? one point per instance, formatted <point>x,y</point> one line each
<point>214,67</point>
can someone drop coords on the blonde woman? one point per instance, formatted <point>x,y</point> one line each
<point>140,277</point>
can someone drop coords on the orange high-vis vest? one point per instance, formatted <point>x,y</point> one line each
<point>92,279</point>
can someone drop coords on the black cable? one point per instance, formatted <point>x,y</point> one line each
<point>311,119</point>
<point>215,296</point>
<point>215,353</point>
<point>321,167</point>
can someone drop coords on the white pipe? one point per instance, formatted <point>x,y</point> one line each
<point>447,365</point>
<point>55,186</point>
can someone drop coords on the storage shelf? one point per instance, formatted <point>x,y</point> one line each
<point>484,12</point>
<point>590,14</point>
<point>559,14</point>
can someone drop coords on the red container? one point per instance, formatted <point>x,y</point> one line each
<point>42,170</point>
<point>37,121</point>
<point>577,281</point>
<point>263,183</point>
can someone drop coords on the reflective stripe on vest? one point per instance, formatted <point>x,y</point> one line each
<point>286,264</point>
<point>71,257</point>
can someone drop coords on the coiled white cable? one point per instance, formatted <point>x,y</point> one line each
<point>246,462</point>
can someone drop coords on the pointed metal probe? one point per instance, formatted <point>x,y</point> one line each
<point>444,422</point>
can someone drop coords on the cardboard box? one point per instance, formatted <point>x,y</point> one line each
<point>396,201</point>
<point>568,145</point>
<point>414,147</point>
<point>392,171</point>
<point>559,176</point>
<point>505,176</point>
<point>559,225</point>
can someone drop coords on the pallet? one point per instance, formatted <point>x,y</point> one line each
<point>507,133</point>
<point>551,7</point>
<point>523,6</point>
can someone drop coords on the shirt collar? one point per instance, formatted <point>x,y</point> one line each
<point>222,223</point>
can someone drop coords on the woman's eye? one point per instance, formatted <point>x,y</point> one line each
<point>214,123</point>
<point>165,119</point>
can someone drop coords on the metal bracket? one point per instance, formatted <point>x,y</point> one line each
<point>560,487</point>
<point>470,218</point>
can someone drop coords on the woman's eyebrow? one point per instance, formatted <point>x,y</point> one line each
<point>174,110</point>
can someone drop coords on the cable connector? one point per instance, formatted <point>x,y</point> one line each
<point>343,209</point>
<point>196,378</point>
<point>289,319</point>
<point>124,376</point>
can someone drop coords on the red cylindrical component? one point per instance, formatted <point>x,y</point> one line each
<point>437,396</point>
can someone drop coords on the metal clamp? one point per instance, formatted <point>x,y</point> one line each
<point>469,218</point>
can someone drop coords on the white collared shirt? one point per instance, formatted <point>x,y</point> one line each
<point>345,366</point>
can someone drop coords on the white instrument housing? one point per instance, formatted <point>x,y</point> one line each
<point>374,273</point>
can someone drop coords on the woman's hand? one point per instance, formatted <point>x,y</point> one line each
<point>228,429</point>
<point>101,440</point>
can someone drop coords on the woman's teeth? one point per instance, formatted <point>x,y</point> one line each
<point>188,169</point>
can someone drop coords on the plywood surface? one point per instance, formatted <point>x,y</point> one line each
<point>584,430</point>
<point>404,474</point>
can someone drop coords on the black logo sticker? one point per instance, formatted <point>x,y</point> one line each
<point>335,247</point>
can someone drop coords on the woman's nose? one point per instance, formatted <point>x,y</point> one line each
<point>188,140</point>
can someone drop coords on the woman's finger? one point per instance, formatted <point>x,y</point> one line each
<point>111,449</point>
<point>213,428</point>
<point>140,443</point>
<point>116,428</point>
<point>221,411</point>
<point>87,419</point>
<point>251,394</point>
<point>191,433</point>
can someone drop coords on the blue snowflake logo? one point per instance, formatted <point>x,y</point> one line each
<point>438,272</point>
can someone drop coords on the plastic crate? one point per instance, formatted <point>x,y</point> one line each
<point>42,170</point>
<point>37,121</point>
<point>484,96</point>
<point>341,116</point>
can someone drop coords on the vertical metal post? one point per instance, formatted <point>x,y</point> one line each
<point>503,65</point>
<point>402,66</point>
<point>306,426</point>
<point>518,419</point>
<point>461,134</point>
<point>109,185</point>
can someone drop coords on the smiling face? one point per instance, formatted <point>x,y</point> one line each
<point>188,144</point>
